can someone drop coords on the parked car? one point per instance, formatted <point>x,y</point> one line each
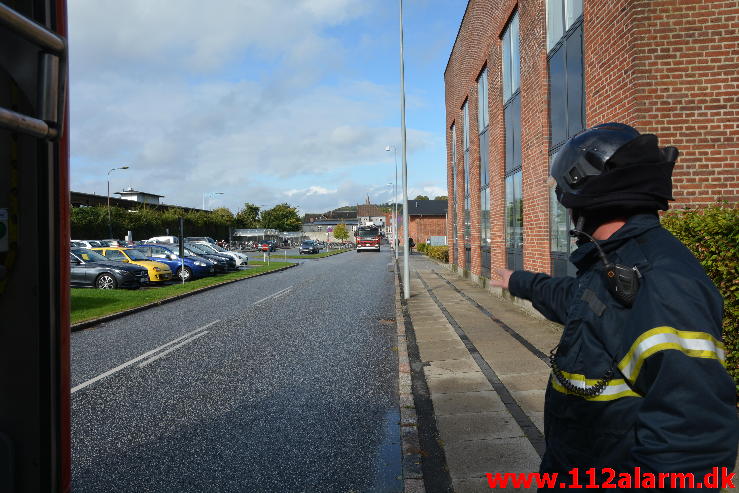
<point>89,243</point>
<point>309,247</point>
<point>113,243</point>
<point>196,239</point>
<point>164,239</point>
<point>226,262</point>
<point>268,246</point>
<point>185,268</point>
<point>240,258</point>
<point>158,272</point>
<point>89,268</point>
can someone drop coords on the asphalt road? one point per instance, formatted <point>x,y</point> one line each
<point>285,382</point>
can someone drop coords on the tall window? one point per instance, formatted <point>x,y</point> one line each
<point>482,124</point>
<point>454,190</point>
<point>466,146</point>
<point>566,107</point>
<point>512,119</point>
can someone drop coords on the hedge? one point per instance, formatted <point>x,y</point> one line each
<point>91,223</point>
<point>440,253</point>
<point>712,234</point>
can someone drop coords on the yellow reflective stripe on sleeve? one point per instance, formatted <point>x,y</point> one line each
<point>616,388</point>
<point>693,344</point>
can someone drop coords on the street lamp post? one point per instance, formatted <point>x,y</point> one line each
<point>406,267</point>
<point>110,226</point>
<point>210,194</point>
<point>395,199</point>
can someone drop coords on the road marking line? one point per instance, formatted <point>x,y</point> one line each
<point>275,295</point>
<point>139,358</point>
<point>164,353</point>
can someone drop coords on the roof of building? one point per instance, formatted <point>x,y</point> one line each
<point>427,207</point>
<point>130,190</point>
<point>368,210</point>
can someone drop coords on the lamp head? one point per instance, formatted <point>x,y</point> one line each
<point>387,148</point>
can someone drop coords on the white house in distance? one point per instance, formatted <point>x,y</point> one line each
<point>137,196</point>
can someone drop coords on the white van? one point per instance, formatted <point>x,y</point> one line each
<point>174,240</point>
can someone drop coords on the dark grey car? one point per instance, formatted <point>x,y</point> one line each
<point>89,268</point>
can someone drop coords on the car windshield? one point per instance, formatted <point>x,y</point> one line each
<point>196,248</point>
<point>88,255</point>
<point>217,248</point>
<point>369,233</point>
<point>307,243</point>
<point>135,255</point>
<point>207,247</point>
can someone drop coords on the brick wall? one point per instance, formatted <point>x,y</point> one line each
<point>421,227</point>
<point>668,67</point>
<point>671,68</point>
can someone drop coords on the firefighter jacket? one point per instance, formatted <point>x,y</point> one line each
<point>670,405</point>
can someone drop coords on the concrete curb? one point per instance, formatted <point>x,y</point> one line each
<point>89,323</point>
<point>410,445</point>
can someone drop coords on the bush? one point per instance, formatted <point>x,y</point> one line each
<point>440,253</point>
<point>712,235</point>
<point>422,247</point>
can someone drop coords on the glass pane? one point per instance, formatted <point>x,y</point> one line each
<point>466,224</point>
<point>573,10</point>
<point>485,217</point>
<point>557,97</point>
<point>466,125</point>
<point>575,83</point>
<point>516,127</point>
<point>507,65</point>
<point>517,232</point>
<point>555,24</point>
<point>454,164</point>
<point>508,121</point>
<point>480,103</point>
<point>467,173</point>
<point>515,56</point>
<point>484,158</point>
<point>509,211</point>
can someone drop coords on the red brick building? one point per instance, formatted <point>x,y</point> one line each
<point>526,75</point>
<point>426,218</point>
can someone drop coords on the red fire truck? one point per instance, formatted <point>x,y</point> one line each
<point>368,238</point>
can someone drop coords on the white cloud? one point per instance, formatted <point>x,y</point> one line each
<point>229,97</point>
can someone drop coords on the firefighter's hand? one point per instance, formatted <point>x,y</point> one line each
<point>505,275</point>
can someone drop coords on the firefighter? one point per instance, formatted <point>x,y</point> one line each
<point>638,379</point>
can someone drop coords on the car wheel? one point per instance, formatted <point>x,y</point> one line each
<point>106,281</point>
<point>184,274</point>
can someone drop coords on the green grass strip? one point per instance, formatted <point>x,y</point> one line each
<point>91,303</point>
<point>314,255</point>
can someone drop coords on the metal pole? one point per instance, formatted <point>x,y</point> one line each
<point>395,199</point>
<point>406,267</point>
<point>110,226</point>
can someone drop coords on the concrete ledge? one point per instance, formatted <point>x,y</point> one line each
<point>113,316</point>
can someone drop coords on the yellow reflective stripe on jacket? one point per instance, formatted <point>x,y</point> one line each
<point>694,344</point>
<point>616,388</point>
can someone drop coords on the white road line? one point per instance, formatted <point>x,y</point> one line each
<point>164,353</point>
<point>275,295</point>
<point>139,358</point>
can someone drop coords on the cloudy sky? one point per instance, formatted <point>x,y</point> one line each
<point>265,101</point>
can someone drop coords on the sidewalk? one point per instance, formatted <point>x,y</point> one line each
<point>484,362</point>
<point>485,365</point>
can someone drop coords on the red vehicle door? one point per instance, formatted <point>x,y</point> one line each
<point>35,451</point>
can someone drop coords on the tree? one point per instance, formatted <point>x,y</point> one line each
<point>223,215</point>
<point>421,197</point>
<point>281,217</point>
<point>340,232</point>
<point>248,217</point>
<point>441,197</point>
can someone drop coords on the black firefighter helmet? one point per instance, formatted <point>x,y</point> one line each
<point>612,170</point>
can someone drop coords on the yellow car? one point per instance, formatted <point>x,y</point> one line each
<point>158,272</point>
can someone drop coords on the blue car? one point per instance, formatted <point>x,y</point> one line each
<point>193,268</point>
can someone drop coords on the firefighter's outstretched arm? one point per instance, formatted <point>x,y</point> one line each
<point>550,295</point>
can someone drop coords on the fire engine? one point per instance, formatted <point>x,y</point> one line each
<point>368,238</point>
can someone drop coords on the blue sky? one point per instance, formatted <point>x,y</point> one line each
<point>265,101</point>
